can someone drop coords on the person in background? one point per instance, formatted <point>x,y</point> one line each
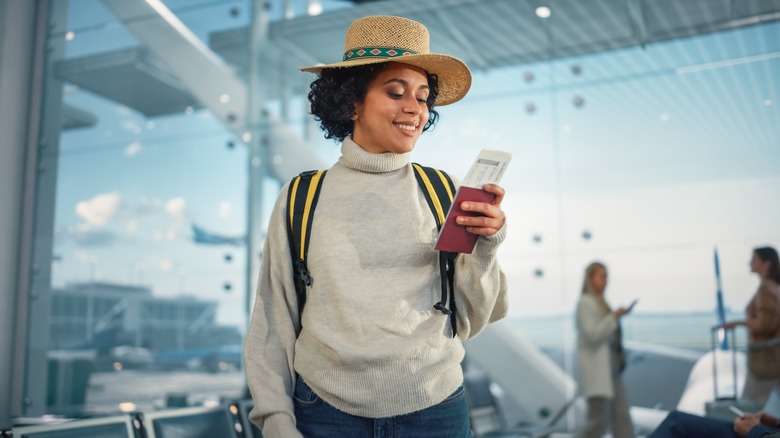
<point>600,358</point>
<point>371,355</point>
<point>683,425</point>
<point>763,325</point>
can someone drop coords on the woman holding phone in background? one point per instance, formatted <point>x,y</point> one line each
<point>600,358</point>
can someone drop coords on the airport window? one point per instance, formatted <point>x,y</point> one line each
<point>647,156</point>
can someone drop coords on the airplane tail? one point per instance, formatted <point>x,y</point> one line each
<point>107,330</point>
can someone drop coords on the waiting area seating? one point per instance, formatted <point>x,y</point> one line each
<point>230,420</point>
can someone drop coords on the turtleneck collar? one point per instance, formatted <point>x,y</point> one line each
<point>355,157</point>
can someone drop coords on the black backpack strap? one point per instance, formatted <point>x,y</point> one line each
<point>439,192</point>
<point>302,196</point>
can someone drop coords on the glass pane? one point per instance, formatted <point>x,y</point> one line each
<point>140,309</point>
<point>647,157</point>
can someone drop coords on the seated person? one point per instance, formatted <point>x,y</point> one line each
<point>680,424</point>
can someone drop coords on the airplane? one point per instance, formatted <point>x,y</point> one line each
<point>109,347</point>
<point>199,235</point>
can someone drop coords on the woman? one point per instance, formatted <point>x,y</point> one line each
<point>763,324</point>
<point>372,355</point>
<point>600,358</point>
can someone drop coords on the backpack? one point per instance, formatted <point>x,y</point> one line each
<point>302,196</point>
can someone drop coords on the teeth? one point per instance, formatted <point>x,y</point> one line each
<point>407,127</point>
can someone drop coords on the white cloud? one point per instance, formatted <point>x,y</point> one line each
<point>176,206</point>
<point>132,226</point>
<point>166,264</point>
<point>224,209</point>
<point>133,148</point>
<point>98,210</point>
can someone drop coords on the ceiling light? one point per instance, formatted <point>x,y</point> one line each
<point>315,8</point>
<point>543,12</point>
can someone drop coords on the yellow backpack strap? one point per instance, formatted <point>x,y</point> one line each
<point>438,189</point>
<point>302,196</point>
<point>439,192</point>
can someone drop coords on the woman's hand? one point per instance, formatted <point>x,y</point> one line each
<point>743,424</point>
<point>620,312</point>
<point>492,219</point>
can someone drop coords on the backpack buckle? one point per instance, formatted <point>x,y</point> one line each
<point>302,272</point>
<point>442,308</point>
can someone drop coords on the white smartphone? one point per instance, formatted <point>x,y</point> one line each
<point>631,306</point>
<point>738,412</point>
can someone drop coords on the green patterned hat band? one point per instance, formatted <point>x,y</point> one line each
<point>376,52</point>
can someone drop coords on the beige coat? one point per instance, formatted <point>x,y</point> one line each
<point>595,332</point>
<point>763,312</point>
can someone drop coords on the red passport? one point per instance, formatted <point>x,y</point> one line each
<point>453,237</point>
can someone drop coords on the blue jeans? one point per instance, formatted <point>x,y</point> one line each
<point>317,419</point>
<point>681,425</point>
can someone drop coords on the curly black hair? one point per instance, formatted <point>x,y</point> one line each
<point>335,92</point>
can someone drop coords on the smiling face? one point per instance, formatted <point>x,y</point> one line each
<point>394,113</point>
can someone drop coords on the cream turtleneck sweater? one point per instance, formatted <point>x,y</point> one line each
<point>371,343</point>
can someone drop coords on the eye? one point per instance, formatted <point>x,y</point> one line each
<point>422,100</point>
<point>395,95</point>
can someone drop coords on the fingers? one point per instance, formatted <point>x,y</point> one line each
<point>490,217</point>
<point>496,190</point>
<point>743,424</point>
<point>488,224</point>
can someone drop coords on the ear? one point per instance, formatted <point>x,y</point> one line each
<point>358,110</point>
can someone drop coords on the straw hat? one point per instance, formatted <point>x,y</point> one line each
<point>382,38</point>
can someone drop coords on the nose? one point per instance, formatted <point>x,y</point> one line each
<point>412,106</point>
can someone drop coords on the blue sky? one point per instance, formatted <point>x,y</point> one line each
<point>674,150</point>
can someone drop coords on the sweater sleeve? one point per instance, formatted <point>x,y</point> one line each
<point>269,348</point>
<point>480,286</point>
<point>594,327</point>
